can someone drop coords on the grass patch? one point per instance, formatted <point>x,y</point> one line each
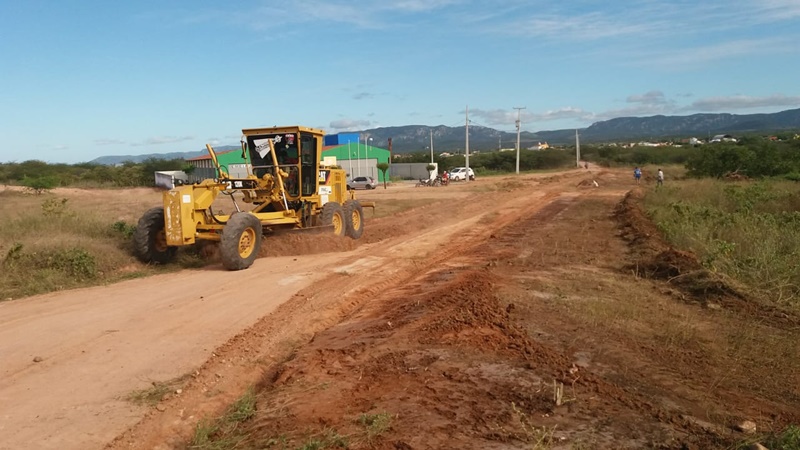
<point>788,439</point>
<point>69,239</point>
<point>225,432</point>
<point>375,424</point>
<point>156,392</point>
<point>749,231</point>
<point>330,439</point>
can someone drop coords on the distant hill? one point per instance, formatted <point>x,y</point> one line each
<point>119,159</point>
<point>416,138</point>
<point>697,125</point>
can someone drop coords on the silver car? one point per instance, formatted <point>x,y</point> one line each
<point>362,183</point>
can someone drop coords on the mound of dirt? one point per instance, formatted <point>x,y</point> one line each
<point>588,183</point>
<point>653,257</point>
<point>305,243</point>
<point>445,361</point>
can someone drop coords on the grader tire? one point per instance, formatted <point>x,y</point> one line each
<point>240,241</point>
<point>354,218</point>
<point>149,239</point>
<point>333,214</point>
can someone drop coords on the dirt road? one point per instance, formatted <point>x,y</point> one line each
<point>71,358</point>
<point>506,313</point>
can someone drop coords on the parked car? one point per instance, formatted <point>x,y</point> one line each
<point>362,183</point>
<point>460,174</point>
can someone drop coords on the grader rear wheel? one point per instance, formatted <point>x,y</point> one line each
<point>150,240</point>
<point>333,214</point>
<point>240,242</point>
<point>355,218</point>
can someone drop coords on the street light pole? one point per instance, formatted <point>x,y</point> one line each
<point>466,146</point>
<point>366,158</point>
<point>431,146</point>
<point>519,111</point>
<point>365,154</point>
<point>350,157</point>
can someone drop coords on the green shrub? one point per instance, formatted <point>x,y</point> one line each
<point>124,228</point>
<point>74,262</point>
<point>789,439</point>
<point>749,231</point>
<point>40,184</point>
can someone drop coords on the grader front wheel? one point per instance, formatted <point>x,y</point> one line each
<point>355,218</point>
<point>333,214</point>
<point>150,240</point>
<point>240,242</point>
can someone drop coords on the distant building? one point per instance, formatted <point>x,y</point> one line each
<point>358,159</point>
<point>722,138</point>
<point>230,161</point>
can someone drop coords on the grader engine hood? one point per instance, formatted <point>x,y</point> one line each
<point>179,206</point>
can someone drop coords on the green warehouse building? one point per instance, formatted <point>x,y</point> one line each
<point>358,159</point>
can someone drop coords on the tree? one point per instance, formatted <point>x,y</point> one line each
<point>40,184</point>
<point>383,167</point>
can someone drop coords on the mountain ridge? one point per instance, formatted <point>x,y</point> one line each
<point>416,138</point>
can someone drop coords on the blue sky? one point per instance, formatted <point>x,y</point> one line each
<point>82,79</point>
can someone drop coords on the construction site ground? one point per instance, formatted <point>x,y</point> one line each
<point>533,311</point>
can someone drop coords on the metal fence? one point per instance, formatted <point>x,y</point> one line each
<point>409,171</point>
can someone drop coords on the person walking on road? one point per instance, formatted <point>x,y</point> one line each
<point>637,174</point>
<point>660,178</point>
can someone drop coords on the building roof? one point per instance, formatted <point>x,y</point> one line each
<point>207,156</point>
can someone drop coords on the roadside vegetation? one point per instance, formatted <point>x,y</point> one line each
<point>41,176</point>
<point>749,231</point>
<point>50,243</point>
<point>751,157</point>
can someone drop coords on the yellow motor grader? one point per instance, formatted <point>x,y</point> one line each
<point>286,186</point>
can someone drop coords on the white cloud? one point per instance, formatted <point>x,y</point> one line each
<point>349,124</point>
<point>159,140</point>
<point>777,10</point>
<point>567,112</point>
<point>648,98</point>
<point>417,5</point>
<point>702,55</point>
<point>738,102</point>
<point>108,142</point>
<point>494,117</point>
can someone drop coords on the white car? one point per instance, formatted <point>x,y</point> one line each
<point>460,174</point>
<point>362,183</point>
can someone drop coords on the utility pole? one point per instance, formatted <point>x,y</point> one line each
<point>431,146</point>
<point>519,111</point>
<point>577,149</point>
<point>351,175</point>
<point>466,153</point>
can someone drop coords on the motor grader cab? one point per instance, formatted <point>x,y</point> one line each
<point>286,188</point>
